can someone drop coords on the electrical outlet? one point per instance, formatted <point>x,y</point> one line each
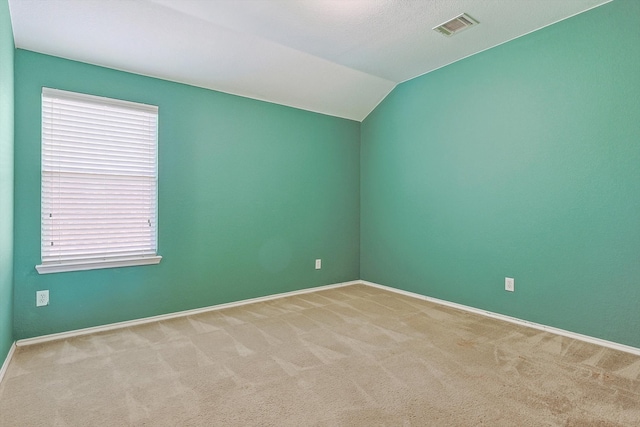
<point>42,298</point>
<point>509,284</point>
<point>318,264</point>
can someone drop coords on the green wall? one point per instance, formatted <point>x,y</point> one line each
<point>522,161</point>
<point>250,194</point>
<point>6,181</point>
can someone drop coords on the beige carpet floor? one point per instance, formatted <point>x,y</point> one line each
<point>352,356</point>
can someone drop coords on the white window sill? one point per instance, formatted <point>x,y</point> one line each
<point>95,265</point>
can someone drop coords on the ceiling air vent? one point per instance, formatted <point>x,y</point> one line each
<point>457,24</point>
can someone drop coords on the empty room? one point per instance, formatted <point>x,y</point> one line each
<point>319,212</point>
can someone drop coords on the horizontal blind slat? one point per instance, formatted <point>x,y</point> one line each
<point>96,115</point>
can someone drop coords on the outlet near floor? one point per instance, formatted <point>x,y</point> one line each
<point>509,284</point>
<point>42,298</point>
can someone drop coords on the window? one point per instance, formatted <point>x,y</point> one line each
<point>99,182</point>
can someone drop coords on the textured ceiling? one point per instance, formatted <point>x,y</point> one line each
<point>337,57</point>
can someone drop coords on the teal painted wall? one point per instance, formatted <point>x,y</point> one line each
<point>250,194</point>
<point>6,181</point>
<point>522,161</point>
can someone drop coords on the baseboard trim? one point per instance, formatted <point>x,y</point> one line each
<point>144,320</point>
<point>7,360</point>
<point>551,329</point>
<point>129,323</point>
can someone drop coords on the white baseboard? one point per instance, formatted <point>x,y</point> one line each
<point>129,323</point>
<point>7,360</point>
<point>551,329</point>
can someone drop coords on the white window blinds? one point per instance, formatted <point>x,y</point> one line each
<point>99,182</point>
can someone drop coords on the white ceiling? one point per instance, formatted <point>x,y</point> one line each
<point>337,57</point>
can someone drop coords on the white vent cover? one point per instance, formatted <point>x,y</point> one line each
<point>455,25</point>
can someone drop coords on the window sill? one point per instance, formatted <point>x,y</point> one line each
<point>95,265</point>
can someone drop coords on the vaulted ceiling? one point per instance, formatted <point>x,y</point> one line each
<point>337,57</point>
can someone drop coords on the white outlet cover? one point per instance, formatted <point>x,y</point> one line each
<point>42,298</point>
<point>509,284</point>
<point>318,264</point>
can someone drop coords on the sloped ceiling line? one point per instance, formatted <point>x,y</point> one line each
<point>336,57</point>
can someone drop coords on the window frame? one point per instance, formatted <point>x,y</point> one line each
<point>106,260</point>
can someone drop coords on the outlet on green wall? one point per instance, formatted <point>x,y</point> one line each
<point>521,161</point>
<point>250,194</point>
